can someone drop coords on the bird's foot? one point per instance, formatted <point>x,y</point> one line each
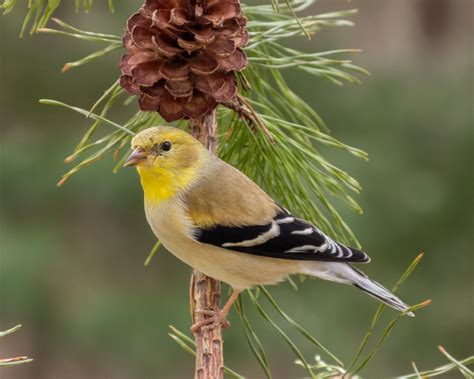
<point>214,319</point>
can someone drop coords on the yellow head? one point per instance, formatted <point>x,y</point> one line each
<point>168,161</point>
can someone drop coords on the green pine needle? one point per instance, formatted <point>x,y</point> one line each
<point>39,12</point>
<point>252,339</point>
<point>12,361</point>
<point>297,326</point>
<point>287,339</point>
<point>152,253</point>
<point>378,313</point>
<point>456,365</point>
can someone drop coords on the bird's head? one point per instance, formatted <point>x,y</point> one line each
<point>167,159</point>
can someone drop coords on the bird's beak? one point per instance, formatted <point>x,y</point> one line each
<point>136,158</point>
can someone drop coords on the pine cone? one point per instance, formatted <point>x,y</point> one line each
<point>183,54</point>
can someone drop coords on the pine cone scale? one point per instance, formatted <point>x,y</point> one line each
<point>203,36</point>
<point>178,18</point>
<point>204,64</point>
<point>234,62</point>
<point>149,103</point>
<point>127,83</point>
<point>180,88</point>
<point>142,37</point>
<point>175,70</point>
<point>148,73</point>
<point>189,46</point>
<point>222,47</point>
<point>221,12</point>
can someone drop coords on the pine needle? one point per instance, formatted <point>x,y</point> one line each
<point>4,362</point>
<point>152,253</point>
<point>411,267</point>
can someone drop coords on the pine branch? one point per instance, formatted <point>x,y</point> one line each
<point>205,292</point>
<point>189,345</point>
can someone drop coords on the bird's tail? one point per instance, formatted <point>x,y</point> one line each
<point>345,273</point>
<point>376,290</point>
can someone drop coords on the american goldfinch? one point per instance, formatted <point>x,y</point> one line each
<point>218,221</point>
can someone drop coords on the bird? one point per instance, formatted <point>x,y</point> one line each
<point>217,220</point>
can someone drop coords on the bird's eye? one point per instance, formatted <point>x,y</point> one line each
<point>166,146</point>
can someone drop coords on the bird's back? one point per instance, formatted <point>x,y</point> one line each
<point>225,196</point>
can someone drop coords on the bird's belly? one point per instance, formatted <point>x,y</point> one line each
<point>240,270</point>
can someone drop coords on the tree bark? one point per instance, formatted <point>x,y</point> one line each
<point>205,292</point>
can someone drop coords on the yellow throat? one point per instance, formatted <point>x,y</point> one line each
<point>159,184</point>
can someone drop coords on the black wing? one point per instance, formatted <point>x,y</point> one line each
<point>286,237</point>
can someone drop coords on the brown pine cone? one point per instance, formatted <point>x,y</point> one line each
<point>183,54</point>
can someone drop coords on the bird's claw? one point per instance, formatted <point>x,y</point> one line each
<point>214,319</point>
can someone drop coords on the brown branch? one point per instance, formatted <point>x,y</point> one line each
<point>205,292</point>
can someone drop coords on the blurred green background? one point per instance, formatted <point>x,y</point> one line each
<point>71,259</point>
